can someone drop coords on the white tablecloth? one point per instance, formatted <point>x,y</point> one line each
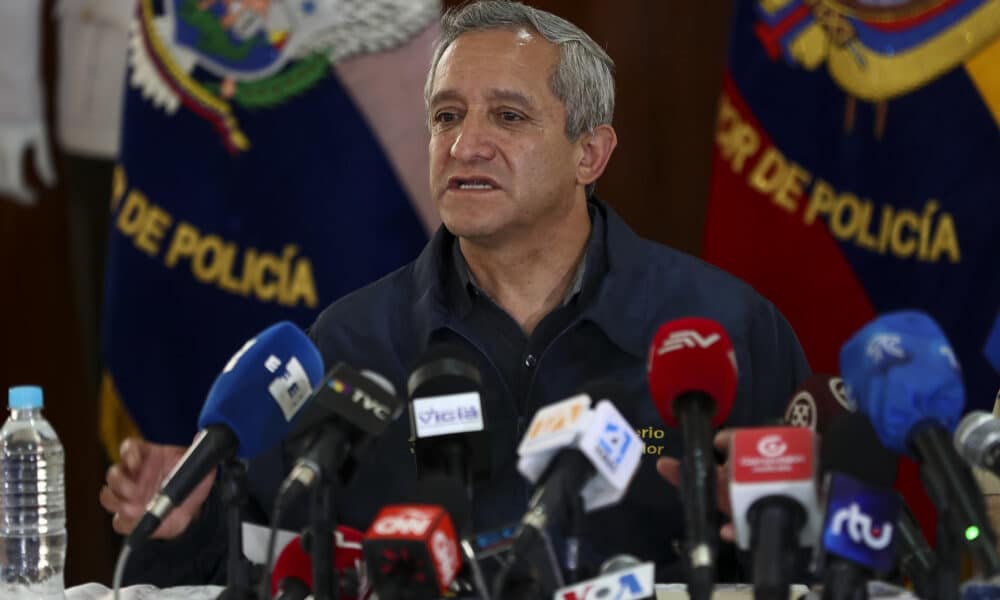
<point>97,591</point>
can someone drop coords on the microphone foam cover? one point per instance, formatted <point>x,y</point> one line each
<point>448,493</point>
<point>850,446</point>
<point>692,354</point>
<point>901,372</point>
<point>263,386</point>
<point>977,437</point>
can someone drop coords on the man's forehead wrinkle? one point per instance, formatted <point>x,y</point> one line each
<point>493,94</point>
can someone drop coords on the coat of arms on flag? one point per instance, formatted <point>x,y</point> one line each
<point>212,54</point>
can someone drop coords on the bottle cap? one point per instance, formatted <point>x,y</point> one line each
<point>24,396</point>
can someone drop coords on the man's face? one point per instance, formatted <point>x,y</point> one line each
<point>500,162</point>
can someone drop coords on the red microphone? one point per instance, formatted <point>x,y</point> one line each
<point>692,380</point>
<point>292,574</point>
<point>411,548</point>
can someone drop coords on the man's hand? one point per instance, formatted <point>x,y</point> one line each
<point>131,483</point>
<point>670,469</point>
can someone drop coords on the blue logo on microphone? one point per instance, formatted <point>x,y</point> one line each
<point>860,522</point>
<point>613,444</point>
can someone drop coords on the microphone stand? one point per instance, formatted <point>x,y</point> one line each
<point>321,547</point>
<point>239,571</point>
<point>572,549</point>
<point>949,554</point>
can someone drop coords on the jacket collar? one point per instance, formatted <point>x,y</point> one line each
<point>620,306</point>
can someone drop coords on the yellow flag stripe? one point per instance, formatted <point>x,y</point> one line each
<point>115,422</point>
<point>984,69</point>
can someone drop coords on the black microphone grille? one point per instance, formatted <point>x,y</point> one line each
<point>449,493</point>
<point>851,446</point>
<point>444,368</point>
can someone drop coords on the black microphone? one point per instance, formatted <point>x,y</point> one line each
<point>348,409</point>
<point>859,473</point>
<point>914,556</point>
<point>447,421</point>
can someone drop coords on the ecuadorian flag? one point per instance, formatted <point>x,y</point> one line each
<point>856,168</point>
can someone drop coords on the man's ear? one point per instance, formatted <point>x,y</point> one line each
<point>597,147</point>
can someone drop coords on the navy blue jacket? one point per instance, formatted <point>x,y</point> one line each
<point>387,325</point>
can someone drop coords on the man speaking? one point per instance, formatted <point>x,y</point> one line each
<point>538,279</point>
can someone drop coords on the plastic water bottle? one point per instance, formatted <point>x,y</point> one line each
<point>32,502</point>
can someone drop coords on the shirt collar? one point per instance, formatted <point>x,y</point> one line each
<point>613,284</point>
<point>595,245</point>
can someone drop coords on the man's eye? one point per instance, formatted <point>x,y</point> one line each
<point>511,116</point>
<point>445,117</point>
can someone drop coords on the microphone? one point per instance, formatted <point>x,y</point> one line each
<point>773,496</point>
<point>914,555</point>
<point>622,577</point>
<point>692,379</point>
<point>817,402</point>
<point>820,403</point>
<point>861,507</point>
<point>903,374</point>
<point>292,579</point>
<point>349,408</point>
<point>580,459</point>
<point>452,495</point>
<point>412,552</point>
<point>248,409</point>
<point>991,349</point>
<point>857,536</point>
<point>977,439</point>
<point>447,421</point>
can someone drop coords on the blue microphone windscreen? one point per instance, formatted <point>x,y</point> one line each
<point>992,348</point>
<point>901,371</point>
<point>263,386</point>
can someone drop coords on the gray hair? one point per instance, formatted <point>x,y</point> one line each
<point>584,78</point>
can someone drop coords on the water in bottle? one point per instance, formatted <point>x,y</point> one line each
<point>32,502</point>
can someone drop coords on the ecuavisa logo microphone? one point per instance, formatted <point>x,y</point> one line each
<point>860,522</point>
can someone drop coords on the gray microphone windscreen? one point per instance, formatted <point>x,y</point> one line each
<point>976,434</point>
<point>619,562</point>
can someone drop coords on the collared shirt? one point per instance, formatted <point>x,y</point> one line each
<point>515,353</point>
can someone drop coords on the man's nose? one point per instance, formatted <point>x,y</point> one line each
<point>474,140</point>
